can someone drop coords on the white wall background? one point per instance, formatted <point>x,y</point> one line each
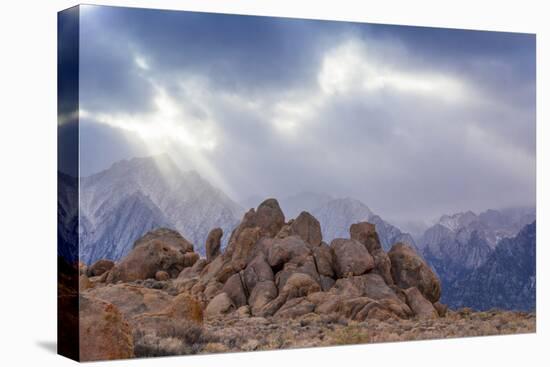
<point>28,181</point>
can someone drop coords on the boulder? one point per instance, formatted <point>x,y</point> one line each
<point>243,247</point>
<point>219,306</point>
<point>367,285</point>
<point>84,283</point>
<point>213,244</point>
<point>184,307</point>
<point>235,290</point>
<point>104,332</point>
<point>302,264</point>
<point>373,287</point>
<point>263,293</point>
<point>100,267</point>
<point>189,259</point>
<point>162,276</point>
<point>258,270</point>
<point>273,306</point>
<point>409,270</point>
<point>420,305</point>
<point>168,237</point>
<point>295,308</point>
<point>210,291</point>
<point>145,260</point>
<point>286,230</point>
<point>243,312</point>
<point>300,285</point>
<point>284,249</point>
<point>132,300</point>
<point>351,257</point>
<point>326,282</point>
<point>194,270</point>
<point>441,309</point>
<point>356,308</point>
<point>269,218</point>
<point>308,228</point>
<point>365,233</point>
<point>211,270</point>
<point>324,261</point>
<point>382,265</point>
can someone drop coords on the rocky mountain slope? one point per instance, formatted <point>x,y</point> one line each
<point>132,197</point>
<point>67,217</point>
<point>275,284</point>
<point>507,279</point>
<point>460,243</point>
<point>337,214</point>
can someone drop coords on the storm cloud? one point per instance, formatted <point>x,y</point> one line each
<point>415,122</point>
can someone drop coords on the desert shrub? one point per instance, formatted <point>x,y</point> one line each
<point>351,335</point>
<point>177,337</point>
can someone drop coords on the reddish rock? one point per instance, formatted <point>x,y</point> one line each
<point>235,290</point>
<point>263,293</point>
<point>219,306</point>
<point>189,259</point>
<point>285,249</point>
<point>365,233</point>
<point>161,276</point>
<point>213,244</point>
<point>100,267</point>
<point>409,270</point>
<point>441,309</point>
<point>168,237</point>
<point>308,228</point>
<point>132,300</point>
<point>420,305</point>
<point>269,218</point>
<point>258,270</point>
<point>104,332</point>
<point>300,285</point>
<point>351,257</point>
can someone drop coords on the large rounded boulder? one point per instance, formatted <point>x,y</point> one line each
<point>350,257</point>
<point>308,228</point>
<point>159,250</point>
<point>410,270</point>
<point>167,236</point>
<point>144,261</point>
<point>213,244</point>
<point>104,333</point>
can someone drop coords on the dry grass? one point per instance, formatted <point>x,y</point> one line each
<point>180,337</point>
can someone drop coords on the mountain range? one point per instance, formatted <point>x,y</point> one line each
<point>134,196</point>
<point>468,251</point>
<point>336,215</point>
<point>120,204</point>
<point>459,244</point>
<point>506,280</point>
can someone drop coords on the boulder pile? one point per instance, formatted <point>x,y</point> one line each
<point>270,268</point>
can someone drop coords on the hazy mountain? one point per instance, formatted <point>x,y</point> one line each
<point>460,243</point>
<point>305,201</point>
<point>337,215</point>
<point>120,204</point>
<point>507,279</point>
<point>67,217</point>
<point>120,225</point>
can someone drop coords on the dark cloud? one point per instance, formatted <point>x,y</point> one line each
<point>414,121</point>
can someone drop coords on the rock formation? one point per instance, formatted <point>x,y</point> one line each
<point>270,269</point>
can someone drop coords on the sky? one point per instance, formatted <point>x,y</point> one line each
<point>415,122</point>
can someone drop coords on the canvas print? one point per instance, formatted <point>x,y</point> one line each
<point>231,183</point>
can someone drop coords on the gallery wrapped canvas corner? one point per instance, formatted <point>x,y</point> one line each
<point>234,183</point>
